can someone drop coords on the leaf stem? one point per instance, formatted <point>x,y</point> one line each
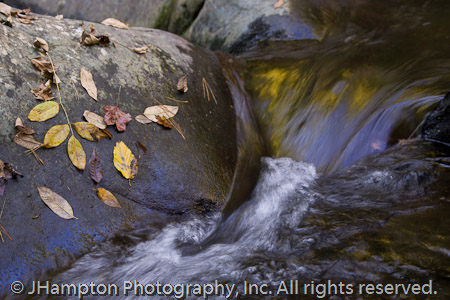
<point>59,94</point>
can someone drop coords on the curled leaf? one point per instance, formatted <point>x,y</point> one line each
<point>115,23</point>
<point>166,111</point>
<point>89,39</point>
<point>5,9</point>
<point>25,129</point>
<point>44,66</point>
<point>182,84</point>
<point>56,135</point>
<point>43,93</point>
<point>95,119</point>
<point>85,130</point>
<point>124,161</point>
<point>56,203</point>
<point>141,50</point>
<point>76,153</point>
<point>108,198</point>
<point>95,168</point>
<point>114,115</point>
<point>41,44</point>
<point>88,83</point>
<point>163,121</point>
<point>44,111</point>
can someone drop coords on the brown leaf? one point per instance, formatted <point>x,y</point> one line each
<point>41,44</point>
<point>56,135</point>
<point>7,171</point>
<point>163,121</point>
<point>76,153</point>
<point>143,119</point>
<point>108,198</point>
<point>24,21</point>
<point>279,3</point>
<point>101,134</point>
<point>89,39</point>
<point>26,141</point>
<point>43,93</point>
<point>56,203</point>
<point>115,23</point>
<point>114,115</point>
<point>88,83</point>
<point>25,129</point>
<point>44,66</point>
<point>95,167</point>
<point>141,50</point>
<point>141,146</point>
<point>85,130</point>
<point>182,84</point>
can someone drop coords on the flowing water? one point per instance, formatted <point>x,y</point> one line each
<point>330,206</point>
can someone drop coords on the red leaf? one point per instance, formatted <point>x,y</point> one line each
<point>114,115</point>
<point>95,168</point>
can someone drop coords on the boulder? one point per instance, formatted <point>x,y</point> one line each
<point>172,15</point>
<point>237,25</point>
<point>437,123</point>
<point>190,171</point>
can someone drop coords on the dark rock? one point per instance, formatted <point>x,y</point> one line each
<point>172,15</point>
<point>236,26</point>
<point>437,122</point>
<point>175,175</point>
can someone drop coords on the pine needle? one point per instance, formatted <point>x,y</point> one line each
<point>208,90</point>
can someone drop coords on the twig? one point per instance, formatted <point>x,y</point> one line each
<point>173,99</point>
<point>59,95</point>
<point>1,236</point>
<point>3,208</point>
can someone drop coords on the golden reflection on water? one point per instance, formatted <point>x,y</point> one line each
<point>377,66</point>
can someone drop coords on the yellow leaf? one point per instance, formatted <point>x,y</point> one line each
<point>56,135</point>
<point>56,203</point>
<point>44,111</point>
<point>85,130</point>
<point>88,83</point>
<point>115,23</point>
<point>124,161</point>
<point>108,198</point>
<point>76,153</point>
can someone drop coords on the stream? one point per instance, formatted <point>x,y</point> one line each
<point>346,193</point>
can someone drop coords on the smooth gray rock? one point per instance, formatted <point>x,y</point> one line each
<point>237,25</point>
<point>172,15</point>
<point>175,176</point>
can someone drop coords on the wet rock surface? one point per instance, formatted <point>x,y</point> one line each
<point>437,122</point>
<point>175,175</point>
<point>236,26</point>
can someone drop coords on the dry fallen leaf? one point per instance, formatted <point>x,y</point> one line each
<point>124,161</point>
<point>101,134</point>
<point>163,121</point>
<point>280,3</point>
<point>182,84</point>
<point>26,141</point>
<point>44,111</point>
<point>85,130</point>
<point>56,135</point>
<point>141,146</point>
<point>23,128</point>
<point>95,167</point>
<point>56,203</point>
<point>5,9</point>
<point>114,115</point>
<point>89,39</point>
<point>108,198</point>
<point>141,50</point>
<point>43,93</point>
<point>76,153</point>
<point>115,23</point>
<point>59,17</point>
<point>88,83</point>
<point>6,172</point>
<point>142,119</point>
<point>41,44</point>
<point>166,111</point>
<point>44,66</point>
<point>95,119</point>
